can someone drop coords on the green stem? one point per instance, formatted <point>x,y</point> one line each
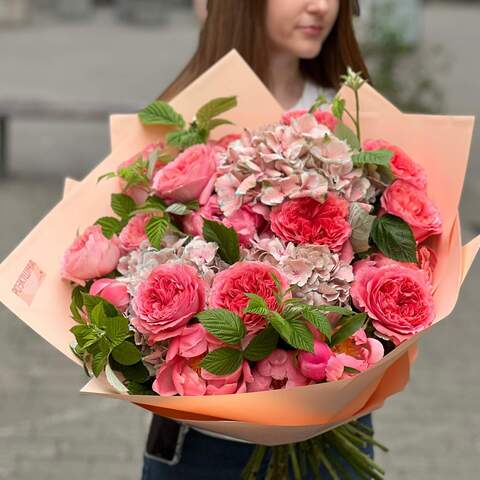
<point>313,461</point>
<point>366,437</point>
<point>254,463</point>
<point>297,475</point>
<point>357,110</point>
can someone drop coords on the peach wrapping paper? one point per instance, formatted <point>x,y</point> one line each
<point>271,417</point>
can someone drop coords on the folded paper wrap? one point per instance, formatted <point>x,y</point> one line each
<point>31,287</point>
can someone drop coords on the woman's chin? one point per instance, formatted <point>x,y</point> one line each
<point>307,52</point>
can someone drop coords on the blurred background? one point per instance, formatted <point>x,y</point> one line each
<point>64,66</point>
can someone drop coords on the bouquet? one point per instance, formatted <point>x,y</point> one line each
<point>272,264</point>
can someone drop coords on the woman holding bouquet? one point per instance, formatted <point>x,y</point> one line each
<point>299,49</point>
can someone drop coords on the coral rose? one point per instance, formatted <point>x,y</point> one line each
<point>397,297</point>
<point>304,220</point>
<point>170,296</point>
<point>414,207</point>
<point>229,288</point>
<point>402,166</point>
<point>133,234</point>
<point>91,255</point>
<point>190,176</point>
<point>112,291</point>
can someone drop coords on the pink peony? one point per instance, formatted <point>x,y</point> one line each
<point>133,234</point>
<point>316,365</point>
<point>305,220</point>
<point>414,207</point>
<point>358,351</point>
<point>402,166</point>
<point>279,370</point>
<point>112,291</point>
<point>91,255</point>
<point>191,176</point>
<point>137,192</point>
<point>229,288</point>
<point>171,295</point>
<point>398,297</point>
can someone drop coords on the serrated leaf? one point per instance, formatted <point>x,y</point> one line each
<point>184,139</point>
<point>222,361</point>
<point>348,328</point>
<point>151,205</point>
<point>106,176</point>
<point>110,226</point>
<point>98,315</point>
<point>281,325</point>
<point>345,133</point>
<point>223,324</point>
<point>217,122</point>
<point>394,238</point>
<point>122,204</point>
<point>161,113</point>
<point>335,309</point>
<point>76,304</point>
<point>256,305</point>
<point>155,230</point>
<point>100,357</point>
<point>182,208</point>
<point>338,107</point>
<point>373,157</point>
<point>117,330</point>
<point>90,301</point>
<point>136,388</point>
<point>361,223</point>
<point>114,381</point>
<point>213,108</point>
<point>126,354</point>
<point>85,335</point>
<point>226,238</point>
<point>301,336</point>
<point>318,320</point>
<point>262,345</point>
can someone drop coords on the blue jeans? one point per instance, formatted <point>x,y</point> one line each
<point>206,458</point>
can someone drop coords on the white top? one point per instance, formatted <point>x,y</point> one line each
<point>311,92</point>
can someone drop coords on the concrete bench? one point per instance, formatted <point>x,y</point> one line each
<point>42,110</point>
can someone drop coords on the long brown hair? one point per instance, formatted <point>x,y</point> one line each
<point>241,25</point>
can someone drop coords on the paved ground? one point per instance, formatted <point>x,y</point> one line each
<point>47,430</point>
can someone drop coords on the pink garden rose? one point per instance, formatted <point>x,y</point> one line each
<point>229,288</point>
<point>112,291</point>
<point>402,166</point>
<point>193,222</point>
<point>91,255</point>
<point>179,376</point>
<point>235,382</point>
<point>133,234</point>
<point>139,193</point>
<point>279,370</point>
<point>304,220</point>
<point>414,207</point>
<point>427,260</point>
<point>170,296</point>
<point>320,364</point>
<point>398,297</point>
<point>358,351</point>
<point>191,342</point>
<point>191,176</point>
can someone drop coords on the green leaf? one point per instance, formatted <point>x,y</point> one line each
<point>214,108</point>
<point>226,238</point>
<point>345,133</point>
<point>137,372</point>
<point>153,204</point>
<point>394,238</point>
<point>348,328</point>
<point>335,309</point>
<point>338,107</point>
<point>351,370</point>
<point>217,122</point>
<point>90,301</point>
<point>98,316</point>
<point>110,226</point>
<point>76,304</point>
<point>126,353</point>
<point>256,305</point>
<point>183,208</point>
<point>222,361</point>
<point>161,113</point>
<point>105,176</point>
<point>85,335</point>
<point>100,356</point>
<point>374,157</point>
<point>113,380</point>
<point>136,388</point>
<point>317,319</point>
<point>184,139</point>
<point>361,223</point>
<point>223,324</point>
<point>117,330</point>
<point>155,230</point>
<point>281,325</point>
<point>122,204</point>
<point>301,336</point>
<point>262,345</point>
<point>321,100</point>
